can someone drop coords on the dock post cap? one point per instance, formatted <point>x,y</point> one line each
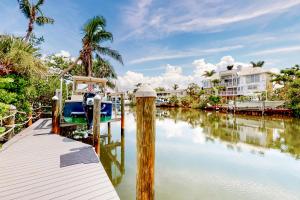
<point>145,91</point>
<point>55,98</point>
<point>97,97</point>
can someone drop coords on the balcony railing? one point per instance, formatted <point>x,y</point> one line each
<point>229,84</point>
<point>228,93</point>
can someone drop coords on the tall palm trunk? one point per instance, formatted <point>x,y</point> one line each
<point>29,30</point>
<point>87,59</point>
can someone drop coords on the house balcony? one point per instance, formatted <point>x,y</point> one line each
<point>229,84</point>
<point>228,93</point>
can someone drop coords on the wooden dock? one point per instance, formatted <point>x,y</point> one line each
<point>38,165</point>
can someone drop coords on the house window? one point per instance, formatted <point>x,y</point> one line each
<point>252,87</point>
<point>254,78</point>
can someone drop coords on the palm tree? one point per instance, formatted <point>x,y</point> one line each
<point>94,33</point>
<point>229,67</point>
<point>257,64</point>
<point>103,69</point>
<point>175,86</point>
<point>209,73</point>
<point>34,14</point>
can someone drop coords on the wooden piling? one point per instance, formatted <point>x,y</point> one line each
<point>30,117</point>
<point>145,113</point>
<point>55,115</point>
<point>96,123</point>
<point>11,120</point>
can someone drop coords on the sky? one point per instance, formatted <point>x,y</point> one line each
<point>172,41</point>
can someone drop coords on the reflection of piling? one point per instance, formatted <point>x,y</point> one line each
<point>263,108</point>
<point>55,115</point>
<point>122,114</point>
<point>145,113</point>
<point>122,151</point>
<point>108,132</point>
<point>96,123</point>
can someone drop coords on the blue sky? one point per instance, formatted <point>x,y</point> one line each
<point>156,35</point>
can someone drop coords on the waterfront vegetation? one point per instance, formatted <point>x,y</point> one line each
<point>27,78</point>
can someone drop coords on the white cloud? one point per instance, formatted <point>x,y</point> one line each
<point>148,18</point>
<point>201,66</point>
<point>64,54</point>
<point>225,61</point>
<point>174,74</point>
<point>277,50</point>
<point>184,54</point>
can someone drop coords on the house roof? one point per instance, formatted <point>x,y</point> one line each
<point>213,77</point>
<point>253,70</point>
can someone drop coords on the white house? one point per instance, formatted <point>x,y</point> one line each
<point>247,81</point>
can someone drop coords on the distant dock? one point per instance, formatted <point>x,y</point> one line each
<point>38,165</point>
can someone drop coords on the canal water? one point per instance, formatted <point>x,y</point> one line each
<point>213,156</point>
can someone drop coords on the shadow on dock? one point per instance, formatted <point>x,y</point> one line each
<point>83,155</point>
<point>45,124</point>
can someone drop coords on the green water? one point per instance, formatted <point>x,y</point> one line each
<point>211,156</point>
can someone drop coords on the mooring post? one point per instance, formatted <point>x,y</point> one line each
<point>55,115</point>
<point>11,120</point>
<point>30,117</point>
<point>96,123</point>
<point>122,114</point>
<point>145,113</point>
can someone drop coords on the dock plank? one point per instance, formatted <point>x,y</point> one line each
<point>38,165</point>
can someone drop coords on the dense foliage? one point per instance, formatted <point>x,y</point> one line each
<point>290,91</point>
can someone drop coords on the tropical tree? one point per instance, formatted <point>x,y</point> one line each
<point>160,89</point>
<point>290,79</point>
<point>192,89</point>
<point>209,73</point>
<point>19,57</point>
<point>215,82</point>
<point>257,64</point>
<point>34,15</point>
<point>229,67</point>
<point>175,86</point>
<point>104,69</point>
<point>94,34</point>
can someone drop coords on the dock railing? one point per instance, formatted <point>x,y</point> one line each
<point>16,120</point>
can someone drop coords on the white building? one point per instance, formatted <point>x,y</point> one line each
<point>169,93</point>
<point>248,81</point>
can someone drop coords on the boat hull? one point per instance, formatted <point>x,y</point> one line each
<point>74,112</point>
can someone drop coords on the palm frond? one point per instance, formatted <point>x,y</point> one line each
<point>109,52</point>
<point>94,25</point>
<point>39,3</point>
<point>44,20</point>
<point>25,7</point>
<point>103,68</point>
<point>102,36</point>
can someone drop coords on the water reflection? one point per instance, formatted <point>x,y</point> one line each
<point>113,156</point>
<point>203,155</point>
<point>266,132</point>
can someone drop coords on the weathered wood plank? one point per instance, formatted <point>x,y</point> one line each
<point>38,165</point>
